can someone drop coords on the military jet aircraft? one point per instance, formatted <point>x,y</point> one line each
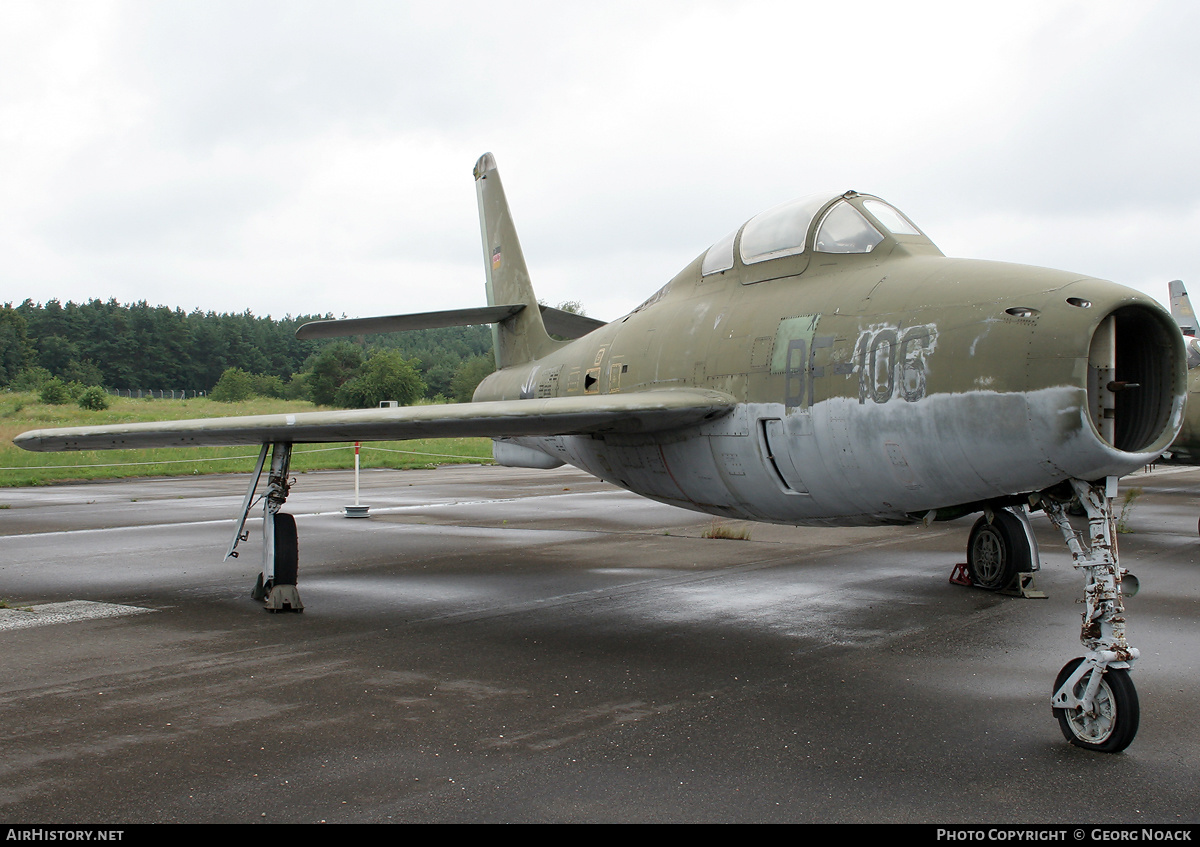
<point>824,363</point>
<point>1185,449</point>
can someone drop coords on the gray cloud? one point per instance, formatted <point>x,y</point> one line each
<point>277,155</point>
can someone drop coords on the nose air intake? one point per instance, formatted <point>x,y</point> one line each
<point>1134,375</point>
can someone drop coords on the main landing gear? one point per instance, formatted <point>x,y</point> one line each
<point>1001,546</point>
<point>276,584</point>
<point>1093,698</point>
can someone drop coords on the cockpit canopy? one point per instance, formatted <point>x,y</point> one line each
<point>839,227</point>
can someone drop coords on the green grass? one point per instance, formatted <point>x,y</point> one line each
<point>716,529</point>
<point>1131,495</point>
<point>22,411</point>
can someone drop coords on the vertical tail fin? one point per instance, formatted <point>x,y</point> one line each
<point>522,337</point>
<point>1181,307</point>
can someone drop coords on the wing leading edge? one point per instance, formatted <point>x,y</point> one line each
<point>648,411</point>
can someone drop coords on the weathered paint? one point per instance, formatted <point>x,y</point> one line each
<point>870,387</point>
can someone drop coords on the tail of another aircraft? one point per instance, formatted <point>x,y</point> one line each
<point>1181,307</point>
<point>521,337</point>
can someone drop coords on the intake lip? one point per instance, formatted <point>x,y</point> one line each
<point>1135,375</point>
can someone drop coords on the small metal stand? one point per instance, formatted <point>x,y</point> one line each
<point>357,510</point>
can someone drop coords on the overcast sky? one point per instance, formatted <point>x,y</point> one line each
<point>310,157</point>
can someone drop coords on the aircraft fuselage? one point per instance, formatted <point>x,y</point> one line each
<point>871,387</point>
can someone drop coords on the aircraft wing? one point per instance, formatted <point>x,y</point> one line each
<point>647,411</point>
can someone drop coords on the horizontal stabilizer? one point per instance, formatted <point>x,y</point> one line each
<point>568,324</point>
<point>645,411</point>
<point>400,323</point>
<point>558,322</point>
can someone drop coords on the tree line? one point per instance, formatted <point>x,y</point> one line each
<point>115,345</point>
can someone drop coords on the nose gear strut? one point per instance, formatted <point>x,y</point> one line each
<point>1094,698</point>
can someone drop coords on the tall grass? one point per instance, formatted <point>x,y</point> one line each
<point>21,411</point>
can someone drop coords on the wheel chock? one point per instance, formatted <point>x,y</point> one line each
<point>1025,586</point>
<point>959,576</point>
<point>284,598</point>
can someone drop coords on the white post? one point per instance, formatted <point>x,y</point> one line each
<point>356,511</point>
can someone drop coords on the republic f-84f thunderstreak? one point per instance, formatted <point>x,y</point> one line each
<point>823,364</point>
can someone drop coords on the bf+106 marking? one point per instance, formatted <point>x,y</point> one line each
<point>889,361</point>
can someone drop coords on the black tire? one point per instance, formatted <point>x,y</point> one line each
<point>1114,726</point>
<point>287,550</point>
<point>997,551</point>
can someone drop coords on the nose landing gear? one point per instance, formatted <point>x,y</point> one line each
<point>1094,698</point>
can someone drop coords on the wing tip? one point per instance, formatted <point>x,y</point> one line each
<point>31,441</point>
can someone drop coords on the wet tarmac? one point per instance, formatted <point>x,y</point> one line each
<point>536,646</point>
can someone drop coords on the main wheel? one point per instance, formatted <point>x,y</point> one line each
<point>997,551</point>
<point>287,550</point>
<point>1113,723</point>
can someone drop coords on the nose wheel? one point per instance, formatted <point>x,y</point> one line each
<point>1109,724</point>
